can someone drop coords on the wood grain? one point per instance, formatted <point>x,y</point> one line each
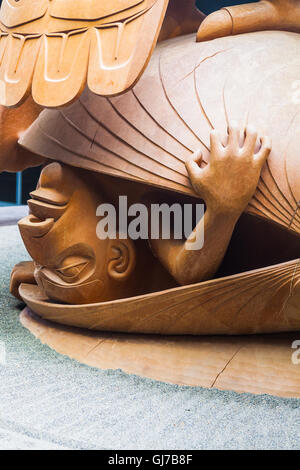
<point>187,90</point>
<point>13,122</point>
<point>56,47</point>
<point>258,364</point>
<point>263,15</point>
<point>261,301</point>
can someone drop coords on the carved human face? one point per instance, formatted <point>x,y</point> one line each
<point>72,264</point>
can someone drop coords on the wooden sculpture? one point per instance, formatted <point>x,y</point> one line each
<point>13,122</point>
<point>195,125</point>
<point>264,15</point>
<point>52,48</point>
<point>158,135</point>
<point>258,364</point>
<point>55,47</point>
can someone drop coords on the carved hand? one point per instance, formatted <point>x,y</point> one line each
<point>228,182</point>
<point>22,273</point>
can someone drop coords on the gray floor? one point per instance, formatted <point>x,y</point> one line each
<point>49,401</point>
<point>9,215</point>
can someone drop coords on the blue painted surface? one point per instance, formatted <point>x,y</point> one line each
<point>19,188</point>
<point>207,6</point>
<point>4,204</point>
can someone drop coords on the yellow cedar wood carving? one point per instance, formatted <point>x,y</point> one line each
<point>148,133</point>
<point>56,47</point>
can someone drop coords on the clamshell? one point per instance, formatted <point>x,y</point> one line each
<point>146,135</point>
<point>187,90</point>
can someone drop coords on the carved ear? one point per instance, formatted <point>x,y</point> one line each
<point>122,259</point>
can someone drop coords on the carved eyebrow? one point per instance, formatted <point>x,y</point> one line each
<point>74,265</point>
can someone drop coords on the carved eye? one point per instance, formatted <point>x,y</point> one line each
<point>73,266</point>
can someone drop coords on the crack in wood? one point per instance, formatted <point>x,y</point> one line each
<point>225,367</point>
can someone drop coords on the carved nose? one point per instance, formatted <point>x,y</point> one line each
<point>32,227</point>
<point>56,185</point>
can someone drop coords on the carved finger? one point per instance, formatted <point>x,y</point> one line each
<point>250,140</point>
<point>216,25</point>
<point>239,19</point>
<point>193,164</point>
<point>216,146</point>
<point>197,157</point>
<point>233,135</point>
<point>21,273</point>
<point>266,147</point>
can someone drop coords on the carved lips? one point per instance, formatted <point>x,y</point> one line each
<point>55,48</point>
<point>33,227</point>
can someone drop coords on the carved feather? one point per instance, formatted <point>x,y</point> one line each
<point>56,47</point>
